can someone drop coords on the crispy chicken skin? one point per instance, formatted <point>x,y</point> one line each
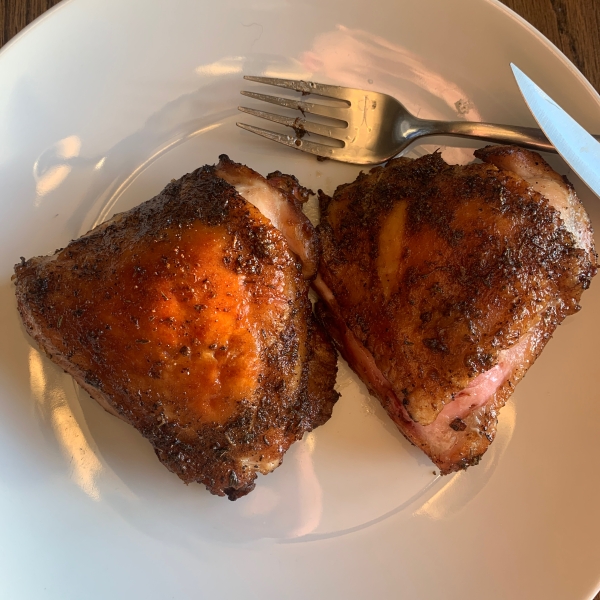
<point>441,285</point>
<point>188,317</point>
<point>279,198</point>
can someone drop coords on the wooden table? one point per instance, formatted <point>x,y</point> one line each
<point>573,25</point>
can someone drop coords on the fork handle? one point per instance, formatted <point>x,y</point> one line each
<point>528,137</point>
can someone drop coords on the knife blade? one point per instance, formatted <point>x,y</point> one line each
<point>577,147</point>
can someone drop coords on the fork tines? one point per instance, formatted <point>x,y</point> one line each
<point>301,125</point>
<point>306,87</point>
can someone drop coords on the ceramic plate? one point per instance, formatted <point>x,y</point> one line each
<point>103,102</point>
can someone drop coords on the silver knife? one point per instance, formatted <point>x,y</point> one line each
<point>578,148</point>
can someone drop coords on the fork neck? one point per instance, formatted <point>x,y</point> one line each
<point>528,137</point>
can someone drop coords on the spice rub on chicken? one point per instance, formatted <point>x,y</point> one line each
<point>188,317</point>
<point>441,284</point>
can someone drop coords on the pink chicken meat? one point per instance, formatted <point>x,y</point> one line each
<point>441,285</point>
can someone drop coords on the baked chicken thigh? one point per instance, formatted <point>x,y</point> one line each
<point>188,317</point>
<point>441,285</point>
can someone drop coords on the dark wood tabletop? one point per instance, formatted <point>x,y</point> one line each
<point>572,25</point>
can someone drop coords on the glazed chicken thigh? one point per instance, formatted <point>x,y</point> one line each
<point>441,285</point>
<point>188,317</point>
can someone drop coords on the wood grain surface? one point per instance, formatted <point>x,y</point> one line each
<point>572,25</point>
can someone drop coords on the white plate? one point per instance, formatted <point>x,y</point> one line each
<point>102,102</point>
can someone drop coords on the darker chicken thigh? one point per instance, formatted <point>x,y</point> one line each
<point>441,285</point>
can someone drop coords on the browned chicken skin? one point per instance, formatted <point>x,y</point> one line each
<point>188,317</point>
<point>441,285</point>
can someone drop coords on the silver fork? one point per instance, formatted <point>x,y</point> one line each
<point>370,127</point>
